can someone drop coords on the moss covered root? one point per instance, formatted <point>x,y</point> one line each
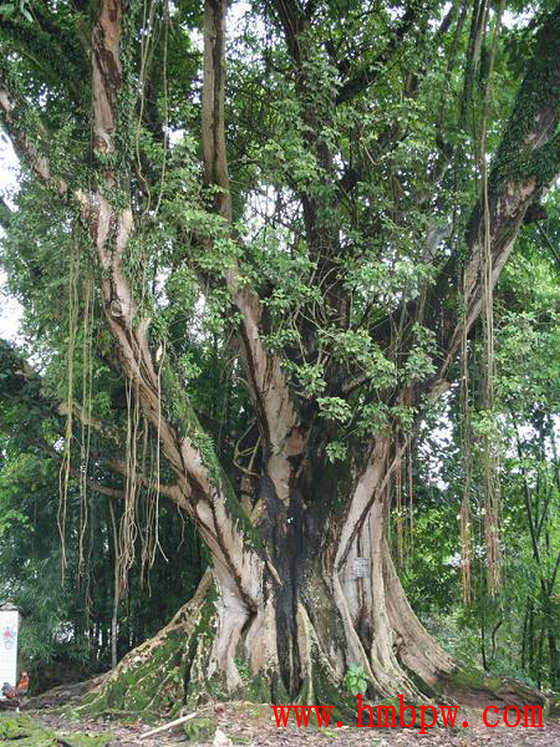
<point>23,730</point>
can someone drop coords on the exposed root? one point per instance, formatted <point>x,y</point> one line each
<point>63,695</point>
<point>322,684</point>
<point>471,687</point>
<point>154,676</point>
<point>177,669</point>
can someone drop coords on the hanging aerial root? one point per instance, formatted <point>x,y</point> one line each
<point>65,467</point>
<point>491,473</point>
<point>464,514</point>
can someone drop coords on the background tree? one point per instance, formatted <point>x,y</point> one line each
<point>71,629</point>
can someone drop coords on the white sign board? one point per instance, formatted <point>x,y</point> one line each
<point>361,567</point>
<point>8,646</point>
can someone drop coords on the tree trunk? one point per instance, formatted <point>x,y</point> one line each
<point>333,605</point>
<point>304,586</point>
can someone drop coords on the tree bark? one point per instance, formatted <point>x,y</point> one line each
<point>321,619</point>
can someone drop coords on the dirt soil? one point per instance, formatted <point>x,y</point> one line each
<point>249,724</point>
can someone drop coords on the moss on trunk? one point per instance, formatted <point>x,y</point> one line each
<point>154,678</point>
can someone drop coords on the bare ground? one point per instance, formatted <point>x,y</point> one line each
<point>251,725</point>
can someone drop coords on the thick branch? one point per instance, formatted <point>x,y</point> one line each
<point>293,22</point>
<point>238,565</point>
<point>277,415</point>
<point>320,205</point>
<point>213,127</point>
<point>526,163</point>
<point>11,115</point>
<point>368,74</point>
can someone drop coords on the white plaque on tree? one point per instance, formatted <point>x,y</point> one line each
<point>361,567</point>
<point>8,645</point>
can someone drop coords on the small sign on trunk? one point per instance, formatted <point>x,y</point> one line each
<point>361,567</point>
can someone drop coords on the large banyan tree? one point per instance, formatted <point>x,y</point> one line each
<point>325,193</point>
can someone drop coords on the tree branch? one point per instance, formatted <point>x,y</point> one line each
<point>173,492</point>
<point>367,75</point>
<point>234,544</point>
<point>106,430</point>
<point>11,117</point>
<point>213,92</point>
<point>526,163</point>
<point>277,415</point>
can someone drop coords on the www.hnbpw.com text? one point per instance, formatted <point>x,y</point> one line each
<point>407,716</point>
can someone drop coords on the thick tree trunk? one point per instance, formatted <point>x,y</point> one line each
<point>326,611</point>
